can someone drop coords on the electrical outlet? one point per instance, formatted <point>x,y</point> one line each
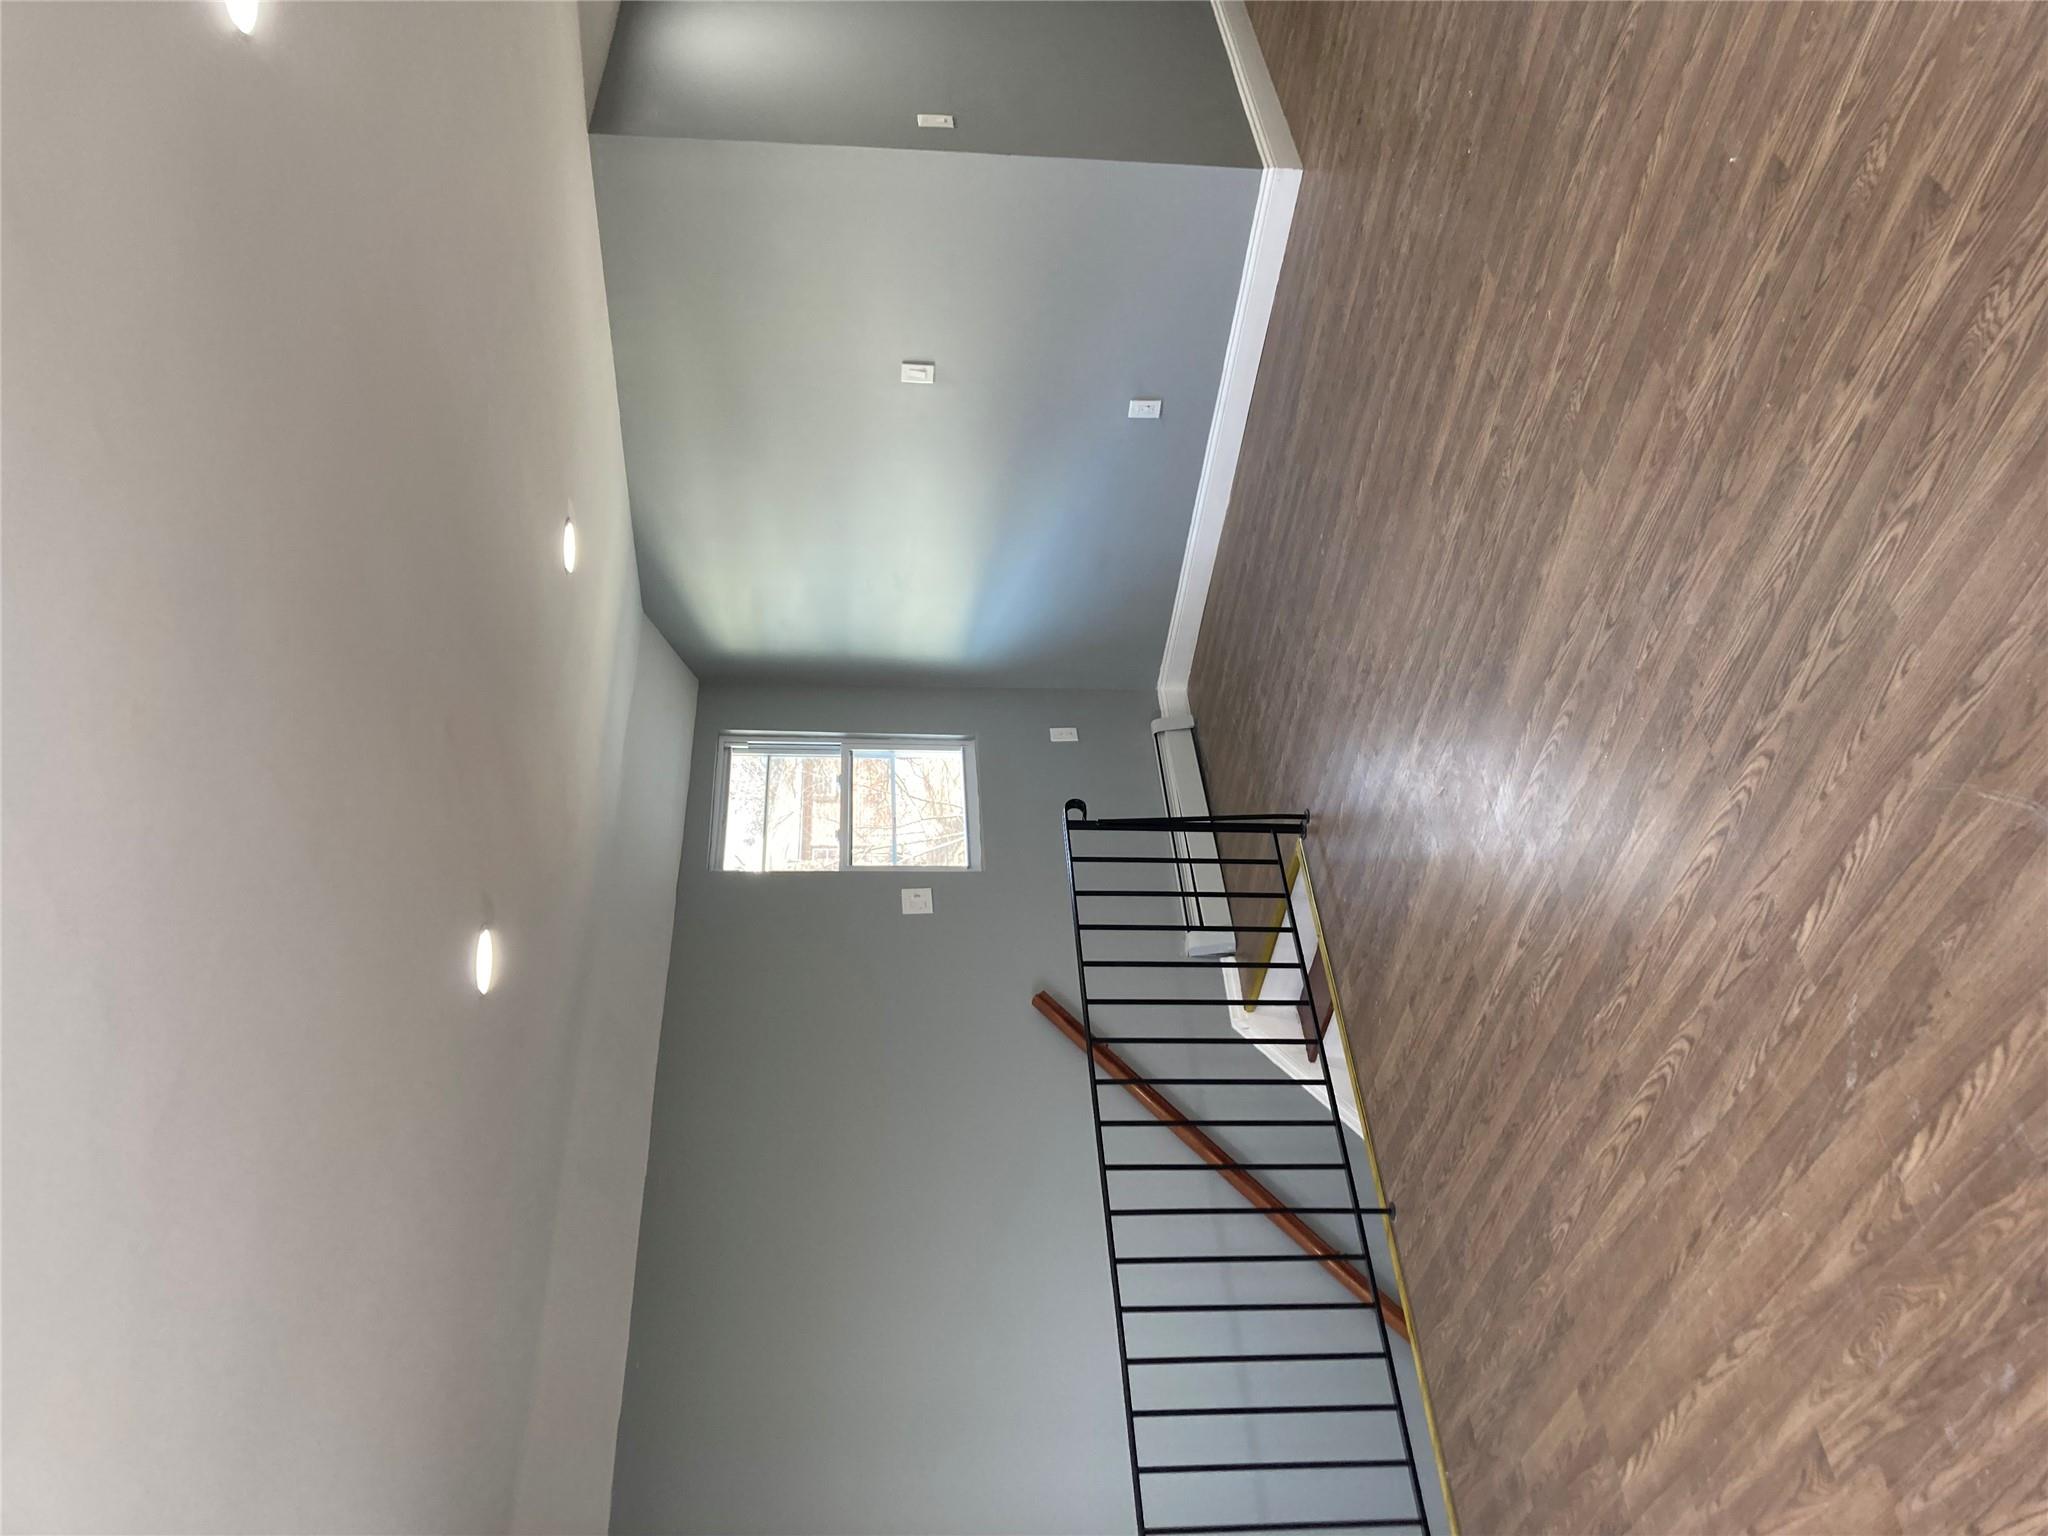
<point>917,901</point>
<point>1144,410</point>
<point>934,119</point>
<point>920,373</point>
<point>1065,733</point>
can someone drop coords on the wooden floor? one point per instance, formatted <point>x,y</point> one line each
<point>1639,563</point>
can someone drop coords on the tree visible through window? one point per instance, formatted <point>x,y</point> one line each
<point>909,806</point>
<point>786,802</point>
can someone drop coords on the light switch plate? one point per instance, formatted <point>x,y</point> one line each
<point>917,901</point>
<point>920,373</point>
<point>1144,410</point>
<point>1065,733</point>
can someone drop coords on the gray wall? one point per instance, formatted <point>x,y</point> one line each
<point>801,513</point>
<point>1103,81</point>
<point>305,354</point>
<point>871,1293</point>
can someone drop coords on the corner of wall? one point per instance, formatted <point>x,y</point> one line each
<point>1265,252</point>
<point>596,23</point>
<point>564,1480</point>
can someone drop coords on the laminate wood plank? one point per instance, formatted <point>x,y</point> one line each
<point>1639,563</point>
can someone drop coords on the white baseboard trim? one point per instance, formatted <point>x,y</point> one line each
<point>1272,218</point>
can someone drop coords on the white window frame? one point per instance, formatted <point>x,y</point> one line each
<point>848,744</point>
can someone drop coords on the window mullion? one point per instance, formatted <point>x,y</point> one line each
<point>845,807</point>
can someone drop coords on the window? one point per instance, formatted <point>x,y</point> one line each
<point>847,802</point>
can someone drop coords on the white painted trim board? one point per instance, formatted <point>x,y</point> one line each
<point>1272,219</point>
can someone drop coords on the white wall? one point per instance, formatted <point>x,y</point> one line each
<point>304,354</point>
<point>565,1475</point>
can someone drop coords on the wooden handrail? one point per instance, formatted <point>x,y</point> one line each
<point>1163,1108</point>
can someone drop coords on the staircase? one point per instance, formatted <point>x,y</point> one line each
<point>1262,1387</point>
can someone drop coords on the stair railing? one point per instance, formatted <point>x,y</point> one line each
<point>1292,1421</point>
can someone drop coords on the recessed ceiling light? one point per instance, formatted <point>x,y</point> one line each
<point>486,960</point>
<point>569,544</point>
<point>243,14</point>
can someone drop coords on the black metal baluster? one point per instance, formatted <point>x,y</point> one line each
<point>1168,1116</point>
<point>1116,1288</point>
